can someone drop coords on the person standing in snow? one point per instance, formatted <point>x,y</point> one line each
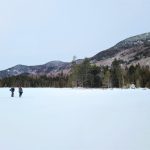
<point>12,91</point>
<point>20,91</point>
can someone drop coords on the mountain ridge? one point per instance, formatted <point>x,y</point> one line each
<point>133,50</point>
<point>127,50</point>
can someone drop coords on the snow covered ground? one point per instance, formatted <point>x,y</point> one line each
<point>75,119</point>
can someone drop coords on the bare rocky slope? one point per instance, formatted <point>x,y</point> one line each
<point>133,50</point>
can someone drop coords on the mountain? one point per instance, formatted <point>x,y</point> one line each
<point>132,50</point>
<point>50,69</point>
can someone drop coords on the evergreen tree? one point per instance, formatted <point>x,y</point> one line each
<point>116,74</point>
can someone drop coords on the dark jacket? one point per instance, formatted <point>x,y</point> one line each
<point>20,90</point>
<point>12,90</point>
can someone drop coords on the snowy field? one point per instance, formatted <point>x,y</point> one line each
<point>75,119</point>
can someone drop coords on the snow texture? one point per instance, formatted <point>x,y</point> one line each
<point>75,119</point>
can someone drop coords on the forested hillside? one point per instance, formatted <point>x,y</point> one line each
<point>87,75</point>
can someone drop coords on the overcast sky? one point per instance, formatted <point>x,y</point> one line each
<point>34,32</point>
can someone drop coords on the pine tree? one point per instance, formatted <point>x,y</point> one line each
<point>116,74</point>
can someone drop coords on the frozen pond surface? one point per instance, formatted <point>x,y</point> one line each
<point>75,119</point>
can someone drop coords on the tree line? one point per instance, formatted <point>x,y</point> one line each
<point>34,81</point>
<point>88,75</point>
